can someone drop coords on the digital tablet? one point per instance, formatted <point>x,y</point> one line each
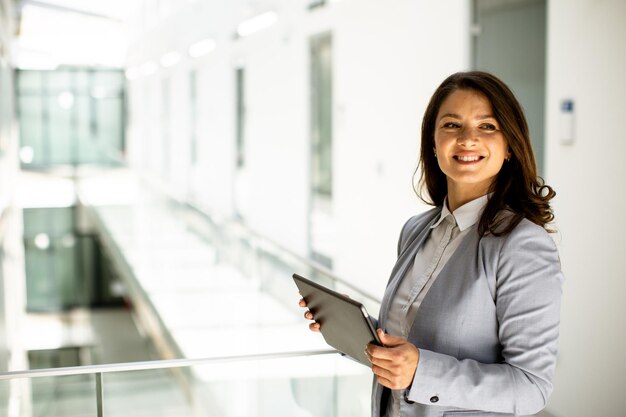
<point>344,322</point>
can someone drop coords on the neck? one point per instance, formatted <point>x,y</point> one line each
<point>457,196</point>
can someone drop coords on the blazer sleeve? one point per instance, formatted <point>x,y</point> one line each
<point>528,294</point>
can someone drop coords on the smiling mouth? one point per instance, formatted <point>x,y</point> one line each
<point>468,158</point>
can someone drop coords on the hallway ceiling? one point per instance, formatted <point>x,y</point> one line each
<point>72,32</point>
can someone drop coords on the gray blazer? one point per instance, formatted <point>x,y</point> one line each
<point>487,330</point>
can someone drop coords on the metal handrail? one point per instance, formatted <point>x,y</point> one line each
<point>156,364</point>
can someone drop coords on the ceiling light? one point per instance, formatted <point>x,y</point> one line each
<point>148,68</point>
<point>170,59</point>
<point>202,47</point>
<point>256,23</point>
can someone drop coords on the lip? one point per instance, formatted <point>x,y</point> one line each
<point>467,157</point>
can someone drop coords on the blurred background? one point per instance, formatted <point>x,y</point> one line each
<point>165,166</point>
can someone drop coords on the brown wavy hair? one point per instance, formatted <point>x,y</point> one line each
<point>517,187</point>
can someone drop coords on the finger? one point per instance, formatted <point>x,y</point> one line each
<point>308,315</point>
<point>382,372</point>
<point>393,378</point>
<point>389,340</point>
<point>384,382</point>
<point>302,303</point>
<point>314,327</point>
<point>387,383</point>
<point>380,353</point>
<point>382,363</point>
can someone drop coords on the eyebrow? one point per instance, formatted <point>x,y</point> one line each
<point>456,116</point>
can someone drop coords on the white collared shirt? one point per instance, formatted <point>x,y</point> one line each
<point>445,236</point>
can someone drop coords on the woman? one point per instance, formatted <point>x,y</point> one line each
<point>471,311</point>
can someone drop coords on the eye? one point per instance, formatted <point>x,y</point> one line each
<point>488,126</point>
<point>451,125</point>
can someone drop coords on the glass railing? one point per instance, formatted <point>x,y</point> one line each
<point>320,384</point>
<point>218,302</point>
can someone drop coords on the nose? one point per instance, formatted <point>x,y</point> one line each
<point>467,136</point>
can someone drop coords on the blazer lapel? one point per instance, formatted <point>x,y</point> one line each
<point>442,283</point>
<point>416,236</point>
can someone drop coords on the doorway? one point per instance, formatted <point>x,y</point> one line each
<point>509,40</point>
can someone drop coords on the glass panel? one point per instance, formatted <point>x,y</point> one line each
<point>109,128</point>
<point>60,131</point>
<point>57,222</point>
<point>155,393</point>
<point>87,144</point>
<point>30,82</point>
<point>65,271</point>
<point>41,286</point>
<point>31,127</point>
<point>51,278</point>
<point>62,396</point>
<point>241,115</point>
<point>71,116</point>
<point>110,82</point>
<point>59,81</point>
<point>326,385</point>
<point>81,82</point>
<point>52,260</point>
<point>321,78</point>
<point>320,386</point>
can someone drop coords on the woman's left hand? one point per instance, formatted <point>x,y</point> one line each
<point>394,364</point>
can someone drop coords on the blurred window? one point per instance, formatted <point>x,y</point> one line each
<point>241,116</point>
<point>71,116</point>
<point>193,116</point>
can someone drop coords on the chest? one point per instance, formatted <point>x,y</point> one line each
<point>458,315</point>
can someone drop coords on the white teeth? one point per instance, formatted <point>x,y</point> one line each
<point>468,158</point>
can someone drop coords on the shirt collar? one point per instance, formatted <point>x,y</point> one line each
<point>465,216</point>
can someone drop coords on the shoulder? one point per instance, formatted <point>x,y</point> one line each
<point>529,232</point>
<point>523,230</point>
<point>526,237</point>
<point>419,221</point>
<point>415,225</point>
<point>527,244</point>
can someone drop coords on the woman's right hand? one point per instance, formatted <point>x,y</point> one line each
<point>314,327</point>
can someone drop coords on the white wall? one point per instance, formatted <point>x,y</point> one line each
<point>587,62</point>
<point>388,60</point>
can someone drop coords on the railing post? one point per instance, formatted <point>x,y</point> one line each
<point>99,394</point>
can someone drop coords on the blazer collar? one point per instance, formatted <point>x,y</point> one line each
<point>465,216</point>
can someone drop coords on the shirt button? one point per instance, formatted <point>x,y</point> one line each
<point>434,399</point>
<point>406,398</point>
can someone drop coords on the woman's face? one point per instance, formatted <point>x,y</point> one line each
<point>469,145</point>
